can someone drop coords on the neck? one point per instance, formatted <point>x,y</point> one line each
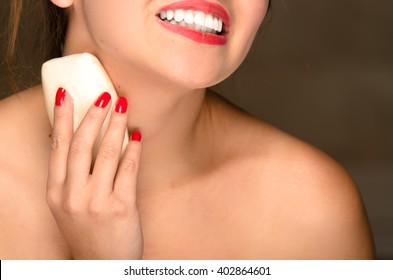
<point>169,119</point>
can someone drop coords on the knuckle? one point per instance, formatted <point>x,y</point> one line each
<point>129,164</point>
<point>56,142</point>
<point>108,151</point>
<point>78,146</point>
<point>95,208</point>
<point>53,199</point>
<point>121,208</point>
<point>71,205</point>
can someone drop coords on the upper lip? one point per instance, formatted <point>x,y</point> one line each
<point>206,7</point>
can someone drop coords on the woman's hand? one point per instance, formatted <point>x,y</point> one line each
<point>95,211</point>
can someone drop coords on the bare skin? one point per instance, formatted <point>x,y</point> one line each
<point>243,190</point>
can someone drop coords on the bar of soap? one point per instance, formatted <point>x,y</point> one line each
<point>85,79</point>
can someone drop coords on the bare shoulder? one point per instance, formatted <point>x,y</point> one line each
<point>12,123</point>
<point>17,107</point>
<point>309,203</point>
<point>328,220</point>
<point>23,169</point>
<point>23,121</point>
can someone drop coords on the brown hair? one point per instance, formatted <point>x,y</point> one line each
<point>47,34</point>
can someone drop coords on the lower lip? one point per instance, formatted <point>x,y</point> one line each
<point>194,35</point>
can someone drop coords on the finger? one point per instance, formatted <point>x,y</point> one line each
<point>109,153</point>
<point>127,174</point>
<point>61,137</point>
<point>81,146</point>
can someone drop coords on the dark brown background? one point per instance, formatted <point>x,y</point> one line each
<point>322,70</point>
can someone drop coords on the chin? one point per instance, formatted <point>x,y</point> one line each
<point>195,75</point>
<point>192,80</point>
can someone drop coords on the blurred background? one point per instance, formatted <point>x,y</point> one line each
<point>322,70</point>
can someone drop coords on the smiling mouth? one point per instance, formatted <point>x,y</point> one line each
<point>195,20</point>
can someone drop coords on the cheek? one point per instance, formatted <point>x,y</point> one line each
<point>246,22</point>
<point>110,23</point>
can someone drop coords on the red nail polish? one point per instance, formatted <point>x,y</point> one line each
<point>103,100</point>
<point>136,136</point>
<point>60,96</point>
<point>121,105</point>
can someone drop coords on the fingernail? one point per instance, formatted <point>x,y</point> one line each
<point>136,136</point>
<point>121,105</point>
<point>103,100</point>
<point>60,96</point>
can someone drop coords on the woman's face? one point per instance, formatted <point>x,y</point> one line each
<point>195,43</point>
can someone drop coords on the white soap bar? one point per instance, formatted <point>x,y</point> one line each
<point>85,79</point>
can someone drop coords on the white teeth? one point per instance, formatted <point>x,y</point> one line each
<point>219,26</point>
<point>169,15</point>
<point>215,24</point>
<point>199,18</point>
<point>193,19</point>
<point>179,15</point>
<point>209,21</point>
<point>189,17</point>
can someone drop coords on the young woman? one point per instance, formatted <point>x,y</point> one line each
<point>212,182</point>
